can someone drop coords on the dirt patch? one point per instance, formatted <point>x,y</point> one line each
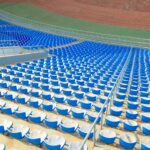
<point>101,11</point>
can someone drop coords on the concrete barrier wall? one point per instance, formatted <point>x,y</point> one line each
<point>5,60</point>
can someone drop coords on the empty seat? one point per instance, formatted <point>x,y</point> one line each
<point>115,111</point>
<point>112,121</point>
<point>18,131</point>
<point>54,142</point>
<point>56,89</point>
<point>25,90</point>
<point>145,107</point>
<point>5,125</point>
<point>23,99</point>
<point>118,102</point>
<point>131,114</point>
<point>11,96</point>
<point>3,92</point>
<point>92,116</point>
<point>48,106</point>
<point>79,95</point>
<point>145,100</point>
<point>52,121</point>
<point>127,141</point>
<point>47,96</point>
<point>145,128</point>
<point>23,113</point>
<point>63,110</point>
<point>59,98</point>
<point>98,107</point>
<point>85,104</point>
<point>72,101</point>
<point>145,117</point>
<point>78,113</point>
<point>69,126</point>
<point>84,129</point>
<point>36,137</point>
<point>37,117</point>
<point>35,93</point>
<point>67,92</point>
<point>91,97</point>
<point>9,109</point>
<point>34,102</point>
<point>103,99</point>
<point>107,136</point>
<point>130,125</point>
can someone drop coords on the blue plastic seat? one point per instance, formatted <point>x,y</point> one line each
<point>45,87</point>
<point>103,99</point>
<point>63,110</point>
<point>127,141</point>
<point>145,117</point>
<point>131,114</point>
<point>18,131</point>
<point>56,89</point>
<point>92,116</point>
<point>130,125</point>
<point>144,93</point>
<point>54,142</point>
<point>101,86</point>
<point>115,111</point>
<point>69,126</point>
<point>35,93</point>
<point>145,100</point>
<point>98,107</point>
<point>79,95</point>
<point>14,87</point>
<point>9,109</point>
<point>145,107</point>
<point>78,113</point>
<point>96,91</point>
<point>64,84</point>
<point>48,106</point>
<point>25,90</point>
<point>83,130</point>
<point>145,128</point>
<point>59,98</point>
<point>85,104</point>
<point>67,92</point>
<point>107,136</point>
<point>23,113</point>
<point>74,86</point>
<point>36,103</point>
<point>112,121</point>
<point>52,121</point>
<point>47,96</point>
<point>132,105</point>
<point>37,117</point>
<point>72,101</point>
<point>132,98</point>
<point>133,92</point>
<point>22,99</point>
<point>91,97</point>
<point>120,95</point>
<point>11,96</point>
<point>5,125</point>
<point>36,137</point>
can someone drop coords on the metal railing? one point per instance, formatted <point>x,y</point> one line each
<point>79,34</point>
<point>107,103</point>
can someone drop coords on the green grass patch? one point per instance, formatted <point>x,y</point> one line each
<point>32,12</point>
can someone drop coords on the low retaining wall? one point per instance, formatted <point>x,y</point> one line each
<point>12,59</point>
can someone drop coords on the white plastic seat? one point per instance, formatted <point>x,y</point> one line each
<point>54,142</point>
